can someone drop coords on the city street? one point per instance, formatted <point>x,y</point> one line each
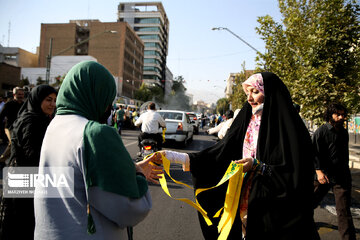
<point>172,219</point>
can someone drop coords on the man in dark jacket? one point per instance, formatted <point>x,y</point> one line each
<point>331,143</point>
<point>10,112</point>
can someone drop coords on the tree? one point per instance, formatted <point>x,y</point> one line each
<point>58,81</point>
<point>150,93</point>
<point>222,105</point>
<point>24,82</point>
<point>178,100</point>
<point>238,97</point>
<point>315,51</point>
<point>39,81</point>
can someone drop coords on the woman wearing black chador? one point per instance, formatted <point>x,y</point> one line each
<point>271,141</point>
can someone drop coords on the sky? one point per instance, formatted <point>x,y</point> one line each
<point>204,57</point>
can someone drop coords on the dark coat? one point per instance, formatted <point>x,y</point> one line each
<point>26,140</point>
<point>280,204</point>
<point>29,128</point>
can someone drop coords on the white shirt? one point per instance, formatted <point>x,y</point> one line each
<point>150,122</point>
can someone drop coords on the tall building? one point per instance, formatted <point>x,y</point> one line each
<point>114,44</point>
<point>150,22</point>
<point>231,81</point>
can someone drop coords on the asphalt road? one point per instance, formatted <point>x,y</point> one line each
<point>175,220</point>
<point>169,218</point>
<point>172,219</point>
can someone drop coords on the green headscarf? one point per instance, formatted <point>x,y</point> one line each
<point>87,90</point>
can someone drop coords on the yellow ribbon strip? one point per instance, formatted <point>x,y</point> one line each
<point>235,175</point>
<point>163,134</point>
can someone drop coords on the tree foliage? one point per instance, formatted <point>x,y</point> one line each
<point>222,105</point>
<point>238,97</point>
<point>178,100</point>
<point>39,81</point>
<point>315,51</point>
<point>24,82</point>
<point>150,93</point>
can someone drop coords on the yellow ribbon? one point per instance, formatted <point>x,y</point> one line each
<point>163,134</point>
<point>235,175</point>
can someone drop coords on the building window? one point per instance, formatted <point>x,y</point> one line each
<point>148,20</point>
<point>10,57</point>
<point>155,37</point>
<point>147,29</point>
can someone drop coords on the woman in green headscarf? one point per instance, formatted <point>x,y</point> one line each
<point>110,191</point>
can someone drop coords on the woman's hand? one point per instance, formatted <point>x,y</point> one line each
<point>248,162</point>
<point>322,178</point>
<point>149,168</point>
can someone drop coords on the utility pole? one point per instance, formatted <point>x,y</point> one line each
<point>48,62</point>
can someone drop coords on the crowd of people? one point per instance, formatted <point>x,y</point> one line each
<point>287,173</point>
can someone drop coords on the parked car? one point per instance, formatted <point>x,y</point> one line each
<point>194,121</point>
<point>178,126</point>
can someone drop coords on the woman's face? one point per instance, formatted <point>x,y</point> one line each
<point>48,104</point>
<point>254,96</point>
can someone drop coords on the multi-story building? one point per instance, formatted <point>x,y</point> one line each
<point>231,80</point>
<point>18,57</point>
<point>12,60</point>
<point>114,44</point>
<point>150,22</point>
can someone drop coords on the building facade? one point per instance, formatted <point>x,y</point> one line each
<point>9,78</point>
<point>114,44</point>
<point>231,81</point>
<point>150,22</point>
<point>18,57</point>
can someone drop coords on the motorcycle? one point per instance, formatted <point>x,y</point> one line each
<point>149,146</point>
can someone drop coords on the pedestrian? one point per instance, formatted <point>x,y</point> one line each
<point>27,134</point>
<point>110,190</point>
<point>331,142</point>
<point>272,143</point>
<point>230,116</point>
<point>120,115</point>
<point>202,120</point>
<point>10,112</point>
<point>3,137</point>
<point>150,122</point>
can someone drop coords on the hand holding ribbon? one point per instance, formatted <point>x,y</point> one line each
<point>151,171</point>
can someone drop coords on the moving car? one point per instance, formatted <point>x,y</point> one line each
<point>178,126</point>
<point>194,121</point>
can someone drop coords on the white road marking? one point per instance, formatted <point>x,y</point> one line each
<point>131,143</point>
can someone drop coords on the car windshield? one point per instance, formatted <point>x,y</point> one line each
<point>171,115</point>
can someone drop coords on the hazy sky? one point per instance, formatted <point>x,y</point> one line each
<point>205,58</point>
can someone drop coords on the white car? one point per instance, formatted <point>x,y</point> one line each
<point>178,126</point>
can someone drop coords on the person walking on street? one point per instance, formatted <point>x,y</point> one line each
<point>27,135</point>
<point>10,112</point>
<point>331,142</point>
<point>110,192</point>
<point>120,118</point>
<point>150,122</point>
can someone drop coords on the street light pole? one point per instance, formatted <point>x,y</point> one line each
<point>49,56</point>
<point>224,28</point>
